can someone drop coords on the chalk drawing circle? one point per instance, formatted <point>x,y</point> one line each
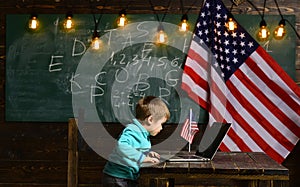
<point>92,63</point>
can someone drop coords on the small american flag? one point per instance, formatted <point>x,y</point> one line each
<point>189,129</point>
<point>237,81</point>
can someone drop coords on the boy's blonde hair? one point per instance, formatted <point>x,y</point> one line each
<point>151,105</point>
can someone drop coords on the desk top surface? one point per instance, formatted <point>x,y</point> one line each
<point>254,163</point>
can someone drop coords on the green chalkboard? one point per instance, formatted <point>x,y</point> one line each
<point>52,74</point>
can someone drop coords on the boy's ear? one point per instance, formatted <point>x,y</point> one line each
<point>150,119</point>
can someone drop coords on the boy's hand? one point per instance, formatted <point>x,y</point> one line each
<point>153,154</point>
<point>149,159</point>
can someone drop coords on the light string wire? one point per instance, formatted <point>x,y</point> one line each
<point>294,29</point>
<point>157,17</point>
<point>255,8</point>
<point>96,22</point>
<point>263,15</point>
<point>193,6</point>
<point>182,7</point>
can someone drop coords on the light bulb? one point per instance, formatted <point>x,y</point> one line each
<point>122,20</point>
<point>68,22</point>
<point>264,32</point>
<point>161,36</point>
<point>96,42</point>
<point>33,22</point>
<point>231,25</point>
<point>184,26</point>
<point>280,31</point>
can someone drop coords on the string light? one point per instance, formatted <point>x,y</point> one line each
<point>231,25</point>
<point>263,33</point>
<point>184,26</point>
<point>280,31</point>
<point>96,41</point>
<point>122,20</point>
<point>161,36</point>
<point>68,24</point>
<point>33,22</point>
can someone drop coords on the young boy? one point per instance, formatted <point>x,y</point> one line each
<point>133,146</point>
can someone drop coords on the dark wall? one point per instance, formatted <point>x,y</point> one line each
<point>36,153</point>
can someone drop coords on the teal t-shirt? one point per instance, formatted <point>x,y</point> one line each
<point>131,149</point>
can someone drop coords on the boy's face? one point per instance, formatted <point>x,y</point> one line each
<point>155,126</point>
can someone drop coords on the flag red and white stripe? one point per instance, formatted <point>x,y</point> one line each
<point>243,85</point>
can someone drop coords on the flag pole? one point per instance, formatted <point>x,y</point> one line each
<point>190,128</point>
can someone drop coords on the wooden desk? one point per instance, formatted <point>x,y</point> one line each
<point>226,169</point>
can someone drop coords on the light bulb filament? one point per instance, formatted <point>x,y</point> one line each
<point>280,31</point>
<point>161,37</point>
<point>122,21</point>
<point>184,26</point>
<point>33,23</point>
<point>264,33</point>
<point>68,23</point>
<point>96,43</point>
<point>231,25</point>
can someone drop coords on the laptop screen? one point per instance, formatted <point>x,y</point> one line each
<point>212,139</point>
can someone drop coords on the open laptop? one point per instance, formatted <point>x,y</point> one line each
<point>208,146</point>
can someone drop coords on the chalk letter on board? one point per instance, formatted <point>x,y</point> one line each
<point>169,80</point>
<point>74,48</point>
<point>135,60</point>
<point>147,48</point>
<point>266,46</point>
<point>113,62</point>
<point>143,82</point>
<point>124,73</point>
<point>56,23</point>
<point>96,91</point>
<point>166,94</point>
<point>53,64</point>
<point>148,60</point>
<point>140,29</point>
<point>109,36</point>
<point>73,82</point>
<point>185,46</point>
<point>175,62</point>
<point>162,62</point>
<point>128,41</point>
<point>145,53</point>
<point>97,78</point>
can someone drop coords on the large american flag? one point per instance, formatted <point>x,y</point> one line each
<point>237,81</point>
